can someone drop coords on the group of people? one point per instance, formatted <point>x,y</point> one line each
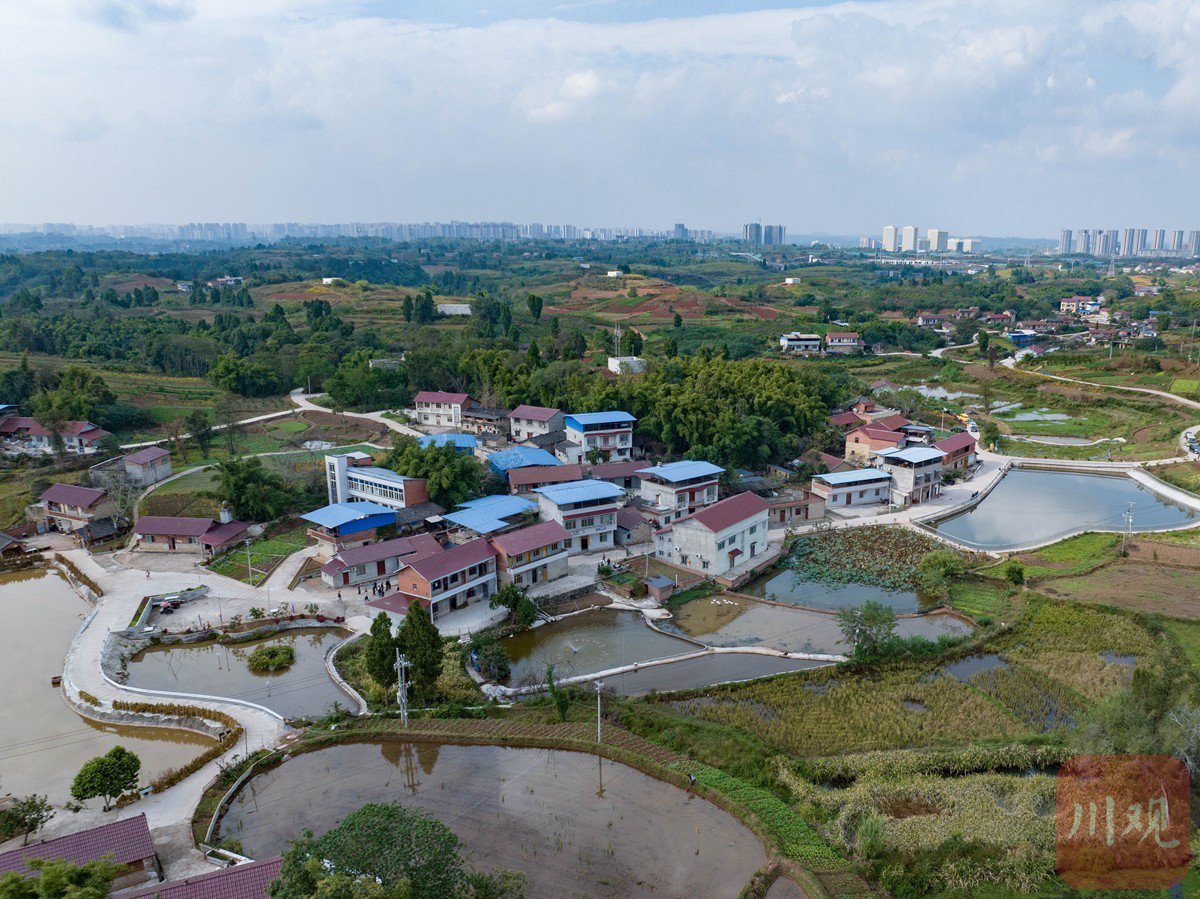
<point>377,589</point>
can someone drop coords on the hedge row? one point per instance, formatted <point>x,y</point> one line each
<point>77,574</point>
<point>175,775</point>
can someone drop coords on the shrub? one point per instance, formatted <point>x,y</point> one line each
<point>1014,572</point>
<point>271,657</point>
<point>88,698</point>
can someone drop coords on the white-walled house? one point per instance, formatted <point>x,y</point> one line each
<point>609,433</point>
<point>719,537</point>
<point>795,342</point>
<point>916,473</point>
<point>533,421</point>
<point>859,487</point>
<point>440,409</point>
<point>533,555</point>
<point>678,489</point>
<point>587,509</point>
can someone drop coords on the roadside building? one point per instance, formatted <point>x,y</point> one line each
<point>125,843</point>
<point>610,434</point>
<point>341,526</point>
<point>843,343</point>
<point>377,561</point>
<point>802,344</point>
<point>349,483</point>
<point>960,450</point>
<point>852,488</point>
<point>437,408</point>
<point>533,421</point>
<point>670,492</point>
<point>68,508</point>
<point>722,536</point>
<point>148,466</point>
<point>532,555</point>
<point>865,441</point>
<point>201,536</point>
<point>587,509</point>
<point>444,582</point>
<point>916,473</point>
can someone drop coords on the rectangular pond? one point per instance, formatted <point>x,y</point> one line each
<point>786,586</point>
<point>1029,507</point>
<point>302,690</point>
<point>44,742</point>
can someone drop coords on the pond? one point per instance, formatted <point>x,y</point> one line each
<point>44,741</point>
<point>541,812</point>
<point>586,643</point>
<point>941,393</point>
<point>786,586</point>
<point>303,690</point>
<point>1029,507</point>
<point>738,621</point>
<point>1055,441</point>
<point>704,671</point>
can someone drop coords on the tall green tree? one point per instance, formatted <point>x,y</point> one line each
<point>379,656</point>
<point>535,306</point>
<point>406,308</point>
<point>76,395</point>
<point>450,476</point>
<point>107,776</point>
<point>420,641</point>
<point>253,492</point>
<point>60,880</point>
<point>867,629</point>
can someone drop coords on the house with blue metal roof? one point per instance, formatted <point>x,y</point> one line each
<point>341,526</point>
<point>491,514</point>
<point>587,509</point>
<point>463,443</point>
<point>520,457</point>
<point>677,489</point>
<point>607,434</point>
<point>916,473</point>
<point>859,487</point>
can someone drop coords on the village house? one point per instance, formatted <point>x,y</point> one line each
<point>518,457</point>
<point>248,880</point>
<point>587,509</point>
<point>725,535</point>
<point>526,480</point>
<point>623,474</point>
<point>959,449</point>
<point>843,343</point>
<point>931,319</point>
<point>916,473</point>
<point>632,527</point>
<point>482,420</point>
<point>610,434</point>
<point>70,509</point>
<point>377,561</point>
<point>916,433</point>
<point>125,843</point>
<point>866,440</point>
<point>489,515</point>
<point>532,421</point>
<point>883,384</point>
<point>201,536</point>
<point>341,526</point>
<point>532,555</point>
<point>859,487</point>
<point>670,492</point>
<point>437,408</point>
<point>444,582</point>
<point>462,443</point>
<point>26,434</point>
<point>789,507</point>
<point>844,421</point>
<point>348,480</point>
<point>796,342</point>
<point>147,466</point>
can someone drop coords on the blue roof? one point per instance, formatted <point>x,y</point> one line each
<point>682,471</point>
<point>488,513</point>
<point>521,457</point>
<point>339,514</point>
<point>600,418</point>
<point>912,454</point>
<point>579,491</point>
<point>458,441</point>
<point>838,478</point>
<point>384,474</point>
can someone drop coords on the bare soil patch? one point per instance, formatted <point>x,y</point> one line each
<point>1146,586</point>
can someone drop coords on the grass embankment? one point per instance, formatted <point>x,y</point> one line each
<point>265,555</point>
<point>1184,475</point>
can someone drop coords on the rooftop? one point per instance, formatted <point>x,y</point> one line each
<point>167,525</point>
<point>458,441</point>
<point>455,559</point>
<point>72,495</point>
<point>127,841</point>
<point>245,881</point>
<point>601,418</point>
<point>579,491</point>
<point>956,442</point>
<point>530,538</point>
<point>418,546</point>
<point>544,474</point>
<point>858,476</point>
<point>913,455</point>
<point>674,472</point>
<point>729,512</point>
<point>520,457</point>
<point>338,514</point>
<point>533,413</point>
<point>374,471</point>
<point>440,396</point>
<point>147,455</point>
<point>489,514</point>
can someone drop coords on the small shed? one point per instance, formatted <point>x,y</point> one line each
<point>660,587</point>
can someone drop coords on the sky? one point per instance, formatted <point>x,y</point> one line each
<point>1009,118</point>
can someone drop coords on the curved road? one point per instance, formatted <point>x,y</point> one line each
<point>302,400</point>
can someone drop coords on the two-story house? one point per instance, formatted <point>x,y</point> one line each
<point>959,449</point>
<point>437,408</point>
<point>675,490</point>
<point>864,441</point>
<point>610,434</point>
<point>148,466</point>
<point>916,473</point>
<point>68,508</point>
<point>587,509</point>
<point>526,480</point>
<point>843,343</point>
<point>341,526</point>
<point>533,555</point>
<point>796,342</point>
<point>533,421</point>
<point>349,481</point>
<point>443,582</point>
<point>377,561</point>
<point>859,487</point>
<point>720,537</point>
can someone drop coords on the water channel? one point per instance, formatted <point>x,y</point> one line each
<point>1029,507</point>
<point>44,741</point>
<point>545,813</point>
<point>302,690</point>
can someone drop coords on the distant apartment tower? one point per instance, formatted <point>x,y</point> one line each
<point>1127,242</point>
<point>1064,242</point>
<point>938,240</point>
<point>1158,240</point>
<point>1083,241</point>
<point>774,235</point>
<point>1108,243</point>
<point>891,239</point>
<point>1177,240</point>
<point>752,233</point>
<point>908,239</point>
<point>1193,244</point>
<point>680,232</point>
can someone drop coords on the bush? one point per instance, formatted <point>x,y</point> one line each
<point>491,658</point>
<point>1014,572</point>
<point>271,657</point>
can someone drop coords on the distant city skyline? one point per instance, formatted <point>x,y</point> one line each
<point>1000,119</point>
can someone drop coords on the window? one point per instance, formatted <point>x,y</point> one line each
<point>704,564</point>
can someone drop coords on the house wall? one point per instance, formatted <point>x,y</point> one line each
<point>852,494</point>
<point>524,428</point>
<point>696,547</point>
<point>544,564</point>
<point>165,543</point>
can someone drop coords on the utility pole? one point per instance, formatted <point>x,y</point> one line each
<point>1128,530</point>
<point>599,687</point>
<point>402,665</point>
<point>249,569</point>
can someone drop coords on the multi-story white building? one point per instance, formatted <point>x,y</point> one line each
<point>859,487</point>
<point>843,342</point>
<point>587,509</point>
<point>722,536</point>
<point>916,473</point>
<point>938,240</point>
<point>609,433</point>
<point>346,482</point>
<point>439,409</point>
<point>533,555</point>
<point>891,239</point>
<point>678,489</point>
<point>909,238</point>
<point>795,342</point>
<point>533,421</point>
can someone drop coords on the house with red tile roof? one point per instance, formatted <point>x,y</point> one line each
<point>525,422</point>
<point>147,466</point>
<point>69,508</point>
<point>526,480</point>
<point>377,561</point>
<point>532,555</point>
<point>866,440</point>
<point>249,880</point>
<point>444,582</point>
<point>202,536</point>
<point>726,535</point>
<point>127,843</point>
<point>843,343</point>
<point>843,421</point>
<point>437,408</point>
<point>959,449</point>
<point>27,434</point>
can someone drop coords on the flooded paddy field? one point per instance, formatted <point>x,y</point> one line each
<point>786,586</point>
<point>302,690</point>
<point>545,813</point>
<point>703,671</point>
<point>44,742</point>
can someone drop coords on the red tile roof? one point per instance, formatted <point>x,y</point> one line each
<point>439,396</point>
<point>836,335</point>
<point>891,422</point>
<point>530,538</point>
<point>223,533</point>
<point>397,603</point>
<point>82,429</point>
<point>544,474</point>
<point>728,512</point>
<point>877,434</point>
<point>15,423</point>
<point>170,526</point>
<point>419,546</point>
<point>73,495</point>
<point>533,413</point>
<point>245,881</point>
<point>841,419</point>
<point>127,841</point>
<point>956,442</point>
<point>463,556</point>
<point>629,518</point>
<point>605,470</point>
<point>147,455</point>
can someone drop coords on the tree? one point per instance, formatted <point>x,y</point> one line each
<point>227,417</point>
<point>635,343</point>
<point>984,341</point>
<point>1164,322</point>
<point>200,430</point>
<point>379,657</point>
<point>491,658</point>
<point>937,569</point>
<point>59,879</point>
<point>25,816</point>
<point>107,776</point>
<point>424,311</point>
<point>77,395</point>
<point>535,306</point>
<point>420,641</point>
<point>521,610</point>
<point>1014,572</point>
<point>253,492</point>
<point>678,320</point>
<point>407,308</point>
<point>867,628</point>
<point>450,476</point>
<point>401,851</point>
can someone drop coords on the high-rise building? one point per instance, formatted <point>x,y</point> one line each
<point>1177,240</point>
<point>1193,244</point>
<point>752,233</point>
<point>1083,241</point>
<point>773,235</point>
<point>938,240</point>
<point>891,239</point>
<point>1064,242</point>
<point>1127,242</point>
<point>1139,241</point>
<point>1158,240</point>
<point>680,232</point>
<point>908,239</point>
